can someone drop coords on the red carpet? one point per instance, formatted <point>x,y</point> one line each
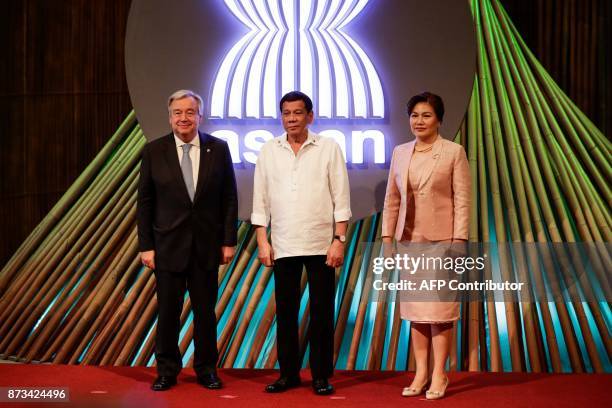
<point>94,387</point>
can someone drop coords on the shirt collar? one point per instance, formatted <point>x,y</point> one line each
<point>194,142</point>
<point>312,138</point>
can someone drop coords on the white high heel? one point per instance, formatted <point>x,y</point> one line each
<point>413,391</point>
<point>434,395</point>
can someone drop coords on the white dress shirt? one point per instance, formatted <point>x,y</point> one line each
<point>301,195</point>
<point>194,154</point>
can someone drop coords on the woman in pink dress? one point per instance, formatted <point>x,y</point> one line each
<point>427,202</point>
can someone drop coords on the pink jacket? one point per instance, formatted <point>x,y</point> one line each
<point>444,193</point>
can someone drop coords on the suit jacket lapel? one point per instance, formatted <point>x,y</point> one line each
<point>404,167</point>
<point>171,157</point>
<point>435,155</point>
<point>205,162</point>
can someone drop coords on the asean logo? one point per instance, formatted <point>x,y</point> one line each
<point>299,45</point>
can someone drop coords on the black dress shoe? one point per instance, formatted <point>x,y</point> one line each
<point>210,381</point>
<point>163,383</point>
<point>283,384</point>
<point>322,387</point>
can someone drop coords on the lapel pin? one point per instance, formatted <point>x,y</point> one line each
<point>207,150</point>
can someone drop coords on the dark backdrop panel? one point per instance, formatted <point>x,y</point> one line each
<point>571,38</point>
<point>62,94</point>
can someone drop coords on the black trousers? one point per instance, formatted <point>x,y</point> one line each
<point>321,285</point>
<point>203,286</point>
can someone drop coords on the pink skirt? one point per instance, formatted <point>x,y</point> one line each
<point>429,305</point>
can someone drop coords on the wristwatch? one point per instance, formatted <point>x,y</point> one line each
<point>341,238</point>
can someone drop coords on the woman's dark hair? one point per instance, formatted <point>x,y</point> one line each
<point>434,100</point>
<point>296,96</point>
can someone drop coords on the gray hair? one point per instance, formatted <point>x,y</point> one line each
<point>186,93</point>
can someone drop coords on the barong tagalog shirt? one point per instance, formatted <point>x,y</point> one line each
<point>302,195</point>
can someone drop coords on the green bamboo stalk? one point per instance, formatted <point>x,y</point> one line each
<point>117,228</point>
<point>491,124</point>
<point>127,316</point>
<point>581,321</point>
<point>64,203</point>
<point>48,259</point>
<point>589,151</point>
<point>99,307</point>
<point>558,134</point>
<point>149,343</point>
<point>528,200</point>
<point>495,350</point>
<point>262,333</point>
<point>94,326</point>
<point>361,312</point>
<point>237,339</point>
<point>237,306</point>
<point>71,333</point>
<point>377,344</point>
<point>51,241</point>
<point>396,326</point>
<point>49,295</point>
<point>237,272</point>
<point>102,344</point>
<point>470,144</point>
<point>137,335</point>
<point>359,228</point>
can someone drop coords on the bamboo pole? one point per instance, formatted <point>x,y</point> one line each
<point>491,124</point>
<point>263,331</point>
<point>12,305</point>
<point>470,143</point>
<point>361,311</point>
<point>57,237</point>
<point>95,318</point>
<point>506,90</point>
<point>237,340</point>
<point>394,339</point>
<point>377,344</point>
<point>93,249</point>
<point>360,229</point>
<point>84,317</point>
<point>556,198</point>
<point>64,203</point>
<point>480,214</point>
<point>149,343</point>
<point>100,343</point>
<point>237,272</point>
<point>228,330</point>
<point>50,294</point>
<point>580,312</point>
<point>115,232</point>
<point>121,326</point>
<point>137,335</point>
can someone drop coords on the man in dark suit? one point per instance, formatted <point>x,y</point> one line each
<point>187,213</point>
